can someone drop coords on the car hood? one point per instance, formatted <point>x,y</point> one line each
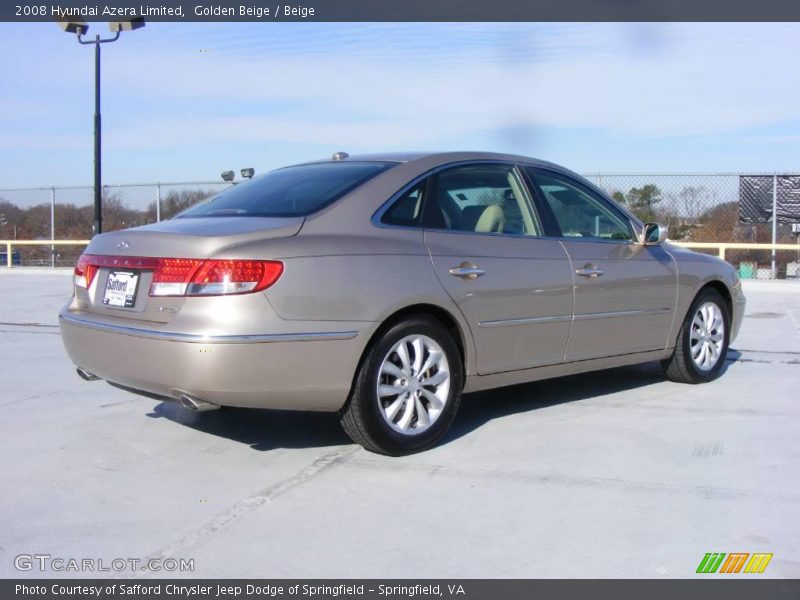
<point>198,237</point>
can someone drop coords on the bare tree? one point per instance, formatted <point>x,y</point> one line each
<point>694,199</point>
<point>178,201</point>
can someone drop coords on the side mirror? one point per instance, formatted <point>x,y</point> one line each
<point>654,234</point>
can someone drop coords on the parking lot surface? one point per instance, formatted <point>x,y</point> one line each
<point>611,474</point>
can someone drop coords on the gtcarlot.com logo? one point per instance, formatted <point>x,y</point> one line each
<point>736,562</point>
<point>47,562</point>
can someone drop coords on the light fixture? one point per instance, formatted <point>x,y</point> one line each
<point>129,25</point>
<point>79,27</point>
<point>227,176</point>
<point>248,172</point>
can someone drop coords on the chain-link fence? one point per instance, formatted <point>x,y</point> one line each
<point>697,207</point>
<point>67,213</point>
<point>718,207</point>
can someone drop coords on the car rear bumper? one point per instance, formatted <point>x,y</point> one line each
<point>304,370</point>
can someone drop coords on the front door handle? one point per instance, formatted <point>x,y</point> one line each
<point>467,270</point>
<point>589,271</point>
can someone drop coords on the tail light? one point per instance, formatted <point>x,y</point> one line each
<point>188,276</point>
<point>84,272</point>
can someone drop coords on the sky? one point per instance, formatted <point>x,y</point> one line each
<point>185,101</point>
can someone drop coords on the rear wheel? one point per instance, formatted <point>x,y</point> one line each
<point>702,343</point>
<point>407,389</point>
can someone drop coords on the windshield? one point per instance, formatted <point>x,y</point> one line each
<point>290,192</point>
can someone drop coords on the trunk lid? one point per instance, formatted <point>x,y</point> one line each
<point>199,237</point>
<point>177,238</point>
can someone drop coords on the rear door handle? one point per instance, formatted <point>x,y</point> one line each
<point>467,270</point>
<point>589,271</point>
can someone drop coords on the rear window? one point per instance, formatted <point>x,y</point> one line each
<point>289,192</point>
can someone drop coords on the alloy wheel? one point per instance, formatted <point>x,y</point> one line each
<point>707,336</point>
<point>413,384</point>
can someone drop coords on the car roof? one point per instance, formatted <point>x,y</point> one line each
<point>410,165</point>
<point>437,157</point>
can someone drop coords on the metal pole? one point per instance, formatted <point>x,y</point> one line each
<point>52,226</point>
<point>158,202</point>
<point>774,222</point>
<point>98,210</point>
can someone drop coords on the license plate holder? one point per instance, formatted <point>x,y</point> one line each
<point>121,289</point>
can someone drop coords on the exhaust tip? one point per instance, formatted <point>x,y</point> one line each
<point>85,375</point>
<point>196,404</point>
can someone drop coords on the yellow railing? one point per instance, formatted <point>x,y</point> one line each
<point>10,243</point>
<point>721,247</point>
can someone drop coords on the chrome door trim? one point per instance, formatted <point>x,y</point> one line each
<point>525,321</point>
<point>581,317</point>
<point>193,338</point>
<point>378,214</point>
<point>633,221</point>
<point>621,313</point>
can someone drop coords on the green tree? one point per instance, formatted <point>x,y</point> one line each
<point>642,201</point>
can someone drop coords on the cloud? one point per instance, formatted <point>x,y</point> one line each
<point>699,80</point>
<point>372,87</point>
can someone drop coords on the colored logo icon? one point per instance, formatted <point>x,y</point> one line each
<point>736,562</point>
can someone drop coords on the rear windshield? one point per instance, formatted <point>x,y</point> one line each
<point>289,192</point>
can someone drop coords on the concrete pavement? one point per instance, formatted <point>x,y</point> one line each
<point>611,474</point>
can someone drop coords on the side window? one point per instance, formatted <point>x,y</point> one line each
<point>407,209</point>
<point>578,212</point>
<point>488,198</point>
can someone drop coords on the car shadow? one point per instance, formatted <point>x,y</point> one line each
<point>264,429</point>
<point>261,429</point>
<point>478,408</point>
<point>733,356</point>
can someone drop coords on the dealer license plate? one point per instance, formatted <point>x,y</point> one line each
<point>121,289</point>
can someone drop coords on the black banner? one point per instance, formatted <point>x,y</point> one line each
<point>756,198</point>
<point>733,588</point>
<point>271,11</point>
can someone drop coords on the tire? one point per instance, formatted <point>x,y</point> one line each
<point>404,415</point>
<point>694,364</point>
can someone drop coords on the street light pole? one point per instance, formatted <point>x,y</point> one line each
<point>98,195</point>
<point>98,185</point>
<point>81,28</point>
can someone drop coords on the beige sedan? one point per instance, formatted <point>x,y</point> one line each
<point>383,287</point>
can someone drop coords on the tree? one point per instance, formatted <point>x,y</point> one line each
<point>642,201</point>
<point>175,202</point>
<point>720,223</point>
<point>693,199</point>
<point>10,218</point>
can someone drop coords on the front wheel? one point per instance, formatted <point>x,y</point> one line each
<point>407,389</point>
<point>702,343</point>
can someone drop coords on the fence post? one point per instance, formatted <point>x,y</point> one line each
<point>158,202</point>
<point>52,226</point>
<point>8,254</point>
<point>722,248</point>
<point>774,222</point>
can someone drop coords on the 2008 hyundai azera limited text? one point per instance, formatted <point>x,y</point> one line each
<point>384,286</point>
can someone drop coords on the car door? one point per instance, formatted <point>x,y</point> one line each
<point>513,287</point>
<point>625,292</point>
